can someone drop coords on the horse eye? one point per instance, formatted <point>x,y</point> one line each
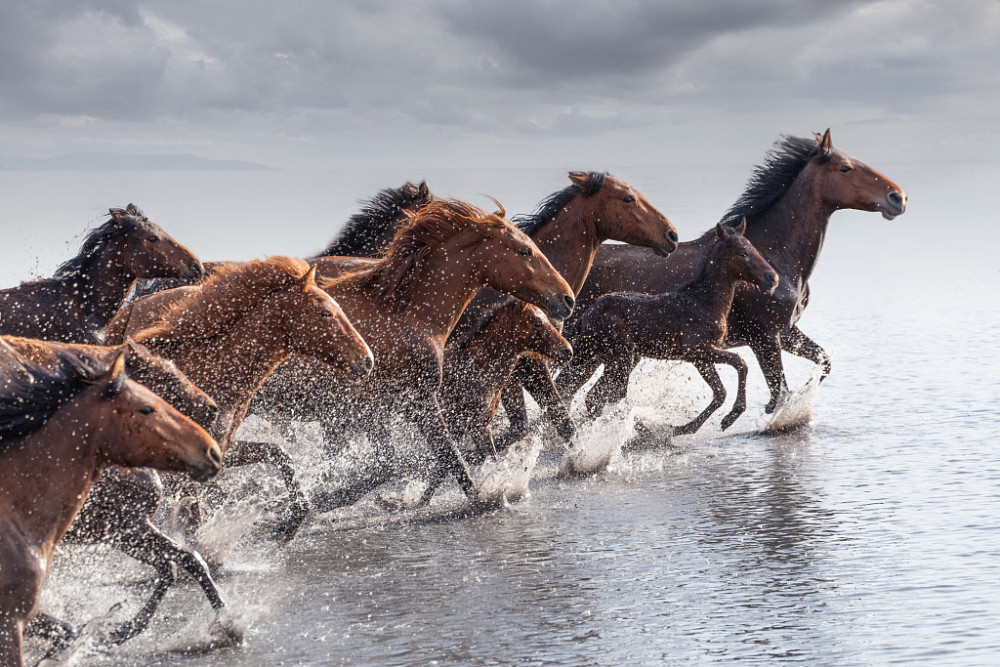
<point>153,239</point>
<point>846,168</point>
<point>147,410</point>
<point>538,324</point>
<point>628,199</point>
<point>743,254</point>
<point>326,314</point>
<point>524,252</point>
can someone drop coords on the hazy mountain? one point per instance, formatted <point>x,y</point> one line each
<point>121,162</point>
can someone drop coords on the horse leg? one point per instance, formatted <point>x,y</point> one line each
<point>11,636</point>
<point>612,386</point>
<point>536,378</point>
<point>449,458</point>
<point>795,342</point>
<point>512,398</point>
<point>707,370</point>
<point>146,543</point>
<point>381,471</point>
<point>244,453</point>
<point>737,362</point>
<point>767,349</point>
<point>60,633</point>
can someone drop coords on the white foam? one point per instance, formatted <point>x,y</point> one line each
<point>794,408</point>
<point>599,442</point>
<point>508,478</point>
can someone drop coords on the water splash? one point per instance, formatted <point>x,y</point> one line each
<point>508,478</point>
<point>794,408</point>
<point>598,442</point>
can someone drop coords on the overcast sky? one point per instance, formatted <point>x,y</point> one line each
<point>450,83</point>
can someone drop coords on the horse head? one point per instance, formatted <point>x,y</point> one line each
<point>150,252</point>
<point>742,260</point>
<point>844,182</point>
<point>622,213</point>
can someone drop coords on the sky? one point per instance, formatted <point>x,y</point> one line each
<point>315,84</point>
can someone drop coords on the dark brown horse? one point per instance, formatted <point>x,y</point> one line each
<point>57,431</point>
<point>370,231</point>
<point>787,204</point>
<point>689,324</point>
<point>122,502</point>
<point>476,372</point>
<point>76,304</point>
<point>569,227</point>
<point>230,333</point>
<point>406,304</point>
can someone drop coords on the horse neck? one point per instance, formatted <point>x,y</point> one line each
<point>490,353</point>
<point>716,287</point>
<point>57,489</point>
<point>790,233</point>
<point>102,285</point>
<point>570,241</point>
<point>231,365</point>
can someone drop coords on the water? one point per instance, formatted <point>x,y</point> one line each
<point>867,537</point>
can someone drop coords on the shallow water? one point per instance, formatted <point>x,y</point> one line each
<point>869,536</point>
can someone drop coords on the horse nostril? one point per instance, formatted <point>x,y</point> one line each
<point>896,198</point>
<point>569,301</point>
<point>213,455</point>
<point>672,235</point>
<point>369,363</point>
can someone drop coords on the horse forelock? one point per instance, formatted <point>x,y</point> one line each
<point>225,297</point>
<point>552,205</point>
<point>770,180</point>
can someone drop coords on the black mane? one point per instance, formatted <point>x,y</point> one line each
<point>550,207</point>
<point>769,181</point>
<point>122,221</point>
<point>30,394</point>
<point>363,233</point>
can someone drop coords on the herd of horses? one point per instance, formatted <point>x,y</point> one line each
<point>137,357</point>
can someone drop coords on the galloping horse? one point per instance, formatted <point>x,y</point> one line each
<point>230,333</point>
<point>122,502</point>
<point>787,204</point>
<point>57,430</point>
<point>405,305</point>
<point>570,226</point>
<point>689,324</point>
<point>76,304</point>
<point>476,372</point>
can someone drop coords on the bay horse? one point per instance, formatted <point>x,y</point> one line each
<point>86,291</point>
<point>475,373</point>
<point>570,226</point>
<point>787,203</point>
<point>405,305</point>
<point>688,324</point>
<point>57,431</point>
<point>231,332</point>
<point>122,502</point>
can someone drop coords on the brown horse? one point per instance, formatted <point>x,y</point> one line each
<point>689,324</point>
<point>122,502</point>
<point>569,227</point>
<point>76,304</point>
<point>787,204</point>
<point>57,430</point>
<point>230,333</point>
<point>476,372</point>
<point>406,304</point>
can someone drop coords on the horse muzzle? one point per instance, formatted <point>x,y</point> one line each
<point>559,306</point>
<point>668,245</point>
<point>207,467</point>
<point>770,283</point>
<point>895,205</point>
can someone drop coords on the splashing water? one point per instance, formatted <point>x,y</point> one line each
<point>507,479</point>
<point>598,443</point>
<point>794,408</point>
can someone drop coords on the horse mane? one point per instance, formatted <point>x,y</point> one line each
<point>770,180</point>
<point>122,221</point>
<point>377,217</point>
<point>429,227</point>
<point>31,394</point>
<point>556,202</point>
<point>222,299</point>
<point>463,339</point>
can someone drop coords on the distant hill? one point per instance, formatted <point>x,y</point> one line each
<point>121,162</point>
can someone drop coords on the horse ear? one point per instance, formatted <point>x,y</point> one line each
<point>742,227</point>
<point>423,192</point>
<point>117,376</point>
<point>579,178</point>
<point>825,142</point>
<point>310,277</point>
<point>720,231</point>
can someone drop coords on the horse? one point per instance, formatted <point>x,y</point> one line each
<point>688,324</point>
<point>787,203</point>
<point>58,429</point>
<point>569,226</point>
<point>230,333</point>
<point>122,502</point>
<point>475,373</point>
<point>87,290</point>
<point>370,231</point>
<point>405,305</point>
